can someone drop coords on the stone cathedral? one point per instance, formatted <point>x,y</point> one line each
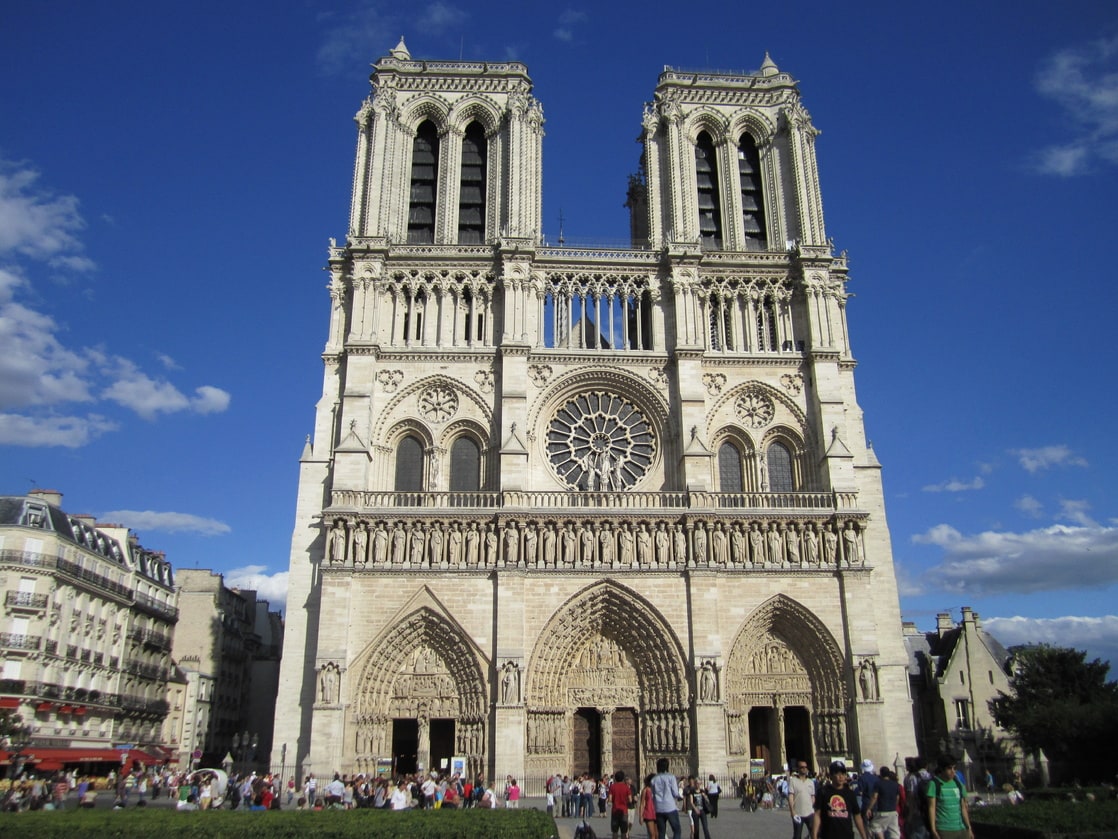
<point>571,509</point>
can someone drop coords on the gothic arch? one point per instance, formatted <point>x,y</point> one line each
<point>458,674</point>
<point>469,403</point>
<point>761,129</point>
<point>434,108</point>
<point>786,621</point>
<point>794,412</point>
<point>619,615</point>
<point>712,122</point>
<point>483,110</point>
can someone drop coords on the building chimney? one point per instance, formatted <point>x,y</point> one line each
<point>944,624</point>
<point>51,496</point>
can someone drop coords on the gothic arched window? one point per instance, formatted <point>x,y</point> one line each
<point>465,466</point>
<point>706,182</point>
<point>781,477</point>
<point>752,199</point>
<point>409,465</point>
<point>471,196</point>
<point>729,468</point>
<point>424,184</point>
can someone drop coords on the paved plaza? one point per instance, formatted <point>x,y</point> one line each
<point>732,823</point>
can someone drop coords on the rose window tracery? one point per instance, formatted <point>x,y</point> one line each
<point>600,441</point>
<point>439,403</point>
<point>755,409</point>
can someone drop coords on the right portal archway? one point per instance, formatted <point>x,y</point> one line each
<point>784,688</point>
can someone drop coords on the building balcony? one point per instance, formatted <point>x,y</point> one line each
<point>514,501</point>
<point>16,641</point>
<point>26,600</point>
<point>156,609</point>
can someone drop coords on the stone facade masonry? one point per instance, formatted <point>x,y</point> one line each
<point>571,509</point>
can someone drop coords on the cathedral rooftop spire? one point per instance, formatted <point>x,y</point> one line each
<point>400,51</point>
<point>768,66</point>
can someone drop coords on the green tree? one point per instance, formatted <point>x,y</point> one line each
<point>12,727</point>
<point>1063,704</point>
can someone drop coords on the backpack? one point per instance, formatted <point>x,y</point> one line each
<point>585,831</point>
<point>922,794</point>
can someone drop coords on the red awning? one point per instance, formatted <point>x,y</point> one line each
<point>80,710</point>
<point>44,706</point>
<point>65,709</point>
<point>9,701</point>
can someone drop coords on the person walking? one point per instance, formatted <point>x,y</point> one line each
<point>665,794</point>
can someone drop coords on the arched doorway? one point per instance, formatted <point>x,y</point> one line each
<point>785,695</point>
<point>420,698</point>
<point>606,688</point>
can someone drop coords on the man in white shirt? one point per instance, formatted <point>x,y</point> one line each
<point>801,800</point>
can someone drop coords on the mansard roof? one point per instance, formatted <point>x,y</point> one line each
<point>35,512</point>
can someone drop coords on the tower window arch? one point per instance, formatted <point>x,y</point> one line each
<point>779,461</point>
<point>471,196</point>
<point>752,198</point>
<point>409,465</point>
<point>706,183</point>
<point>465,465</point>
<point>730,468</point>
<point>424,184</point>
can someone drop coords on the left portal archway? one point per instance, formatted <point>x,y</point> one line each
<point>422,679</point>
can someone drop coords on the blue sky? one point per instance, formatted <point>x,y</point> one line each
<point>170,174</point>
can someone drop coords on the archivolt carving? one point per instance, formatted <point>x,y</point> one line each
<point>783,648</point>
<point>708,120</point>
<point>389,415</point>
<point>607,645</point>
<point>794,412</point>
<point>422,665</point>
<point>482,109</point>
<point>651,404</point>
<point>430,106</point>
<point>753,122</point>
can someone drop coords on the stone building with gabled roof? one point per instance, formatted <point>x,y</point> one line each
<point>954,672</point>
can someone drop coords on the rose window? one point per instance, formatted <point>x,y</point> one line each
<point>600,441</point>
<point>755,409</point>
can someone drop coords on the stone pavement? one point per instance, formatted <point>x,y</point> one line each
<point>732,823</point>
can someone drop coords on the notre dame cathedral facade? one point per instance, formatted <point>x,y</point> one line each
<point>571,509</point>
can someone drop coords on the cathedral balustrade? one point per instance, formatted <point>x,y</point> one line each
<point>674,535</point>
<point>349,500</point>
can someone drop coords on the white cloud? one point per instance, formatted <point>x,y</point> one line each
<point>363,34</point>
<point>150,520</point>
<point>38,371</point>
<point>1076,511</point>
<point>955,485</point>
<point>150,397</point>
<point>440,17</point>
<point>1045,457</point>
<point>270,587</point>
<point>1098,636</point>
<point>36,223</point>
<point>1056,557</point>
<point>69,432</point>
<point>568,20</point>
<point>1084,82</point>
<point>1029,506</point>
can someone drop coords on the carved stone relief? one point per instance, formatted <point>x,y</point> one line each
<point>390,379</point>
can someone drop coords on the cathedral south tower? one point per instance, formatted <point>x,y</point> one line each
<point>571,509</point>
